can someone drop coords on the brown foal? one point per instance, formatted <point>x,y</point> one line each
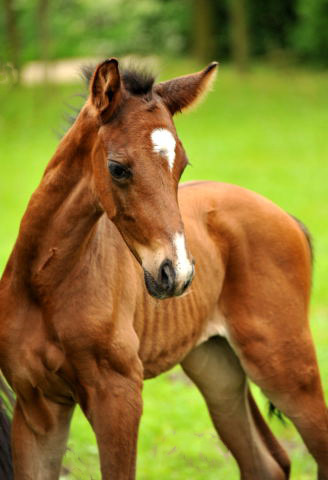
<point>77,324</point>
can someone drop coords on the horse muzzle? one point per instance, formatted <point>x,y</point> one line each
<point>169,282</point>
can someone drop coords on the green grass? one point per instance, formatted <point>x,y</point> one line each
<point>266,131</point>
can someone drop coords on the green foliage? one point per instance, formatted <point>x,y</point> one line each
<point>310,37</point>
<point>119,27</point>
<point>270,24</point>
<point>82,28</point>
<point>265,131</point>
<point>279,29</point>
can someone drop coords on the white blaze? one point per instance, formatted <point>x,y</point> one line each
<point>164,144</point>
<point>183,265</point>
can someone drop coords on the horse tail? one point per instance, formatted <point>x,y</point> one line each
<point>307,235</point>
<point>6,404</point>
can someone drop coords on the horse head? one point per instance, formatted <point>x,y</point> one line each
<point>137,161</point>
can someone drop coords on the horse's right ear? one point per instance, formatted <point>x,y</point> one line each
<point>105,88</point>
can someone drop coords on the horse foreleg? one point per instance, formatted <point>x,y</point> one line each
<point>114,409</point>
<point>217,372</point>
<point>38,451</point>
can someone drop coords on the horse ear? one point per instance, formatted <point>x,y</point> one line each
<point>105,88</point>
<point>184,92</point>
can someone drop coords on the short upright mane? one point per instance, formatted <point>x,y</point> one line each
<point>137,80</point>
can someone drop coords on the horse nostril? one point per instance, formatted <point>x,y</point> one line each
<point>166,275</point>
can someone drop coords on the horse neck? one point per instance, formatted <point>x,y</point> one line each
<point>62,212</point>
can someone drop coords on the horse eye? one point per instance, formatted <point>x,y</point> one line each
<point>119,171</point>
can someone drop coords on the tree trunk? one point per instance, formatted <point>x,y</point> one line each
<point>12,35</point>
<point>43,33</point>
<point>239,34</point>
<point>203,42</point>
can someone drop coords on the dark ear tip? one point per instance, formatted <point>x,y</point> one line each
<point>111,60</point>
<point>106,63</point>
<point>211,66</point>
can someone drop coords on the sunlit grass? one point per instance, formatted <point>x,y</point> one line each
<point>266,131</point>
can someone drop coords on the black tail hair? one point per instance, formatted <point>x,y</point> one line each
<point>274,412</point>
<point>6,404</point>
<point>307,234</point>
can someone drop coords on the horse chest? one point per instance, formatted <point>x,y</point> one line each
<point>172,330</point>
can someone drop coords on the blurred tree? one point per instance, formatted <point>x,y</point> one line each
<point>43,33</point>
<point>270,25</point>
<point>239,34</point>
<point>238,29</point>
<point>310,35</point>
<point>203,39</point>
<point>12,36</point>
<point>119,27</point>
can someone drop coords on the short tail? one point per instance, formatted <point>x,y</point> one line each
<point>6,404</point>
<point>307,234</point>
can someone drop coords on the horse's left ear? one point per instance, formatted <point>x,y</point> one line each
<point>105,88</point>
<point>183,92</point>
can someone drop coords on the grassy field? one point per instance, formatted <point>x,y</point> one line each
<point>266,131</point>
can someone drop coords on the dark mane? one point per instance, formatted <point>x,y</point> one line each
<point>137,80</point>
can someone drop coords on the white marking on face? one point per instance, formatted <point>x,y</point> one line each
<point>164,144</point>
<point>183,264</point>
